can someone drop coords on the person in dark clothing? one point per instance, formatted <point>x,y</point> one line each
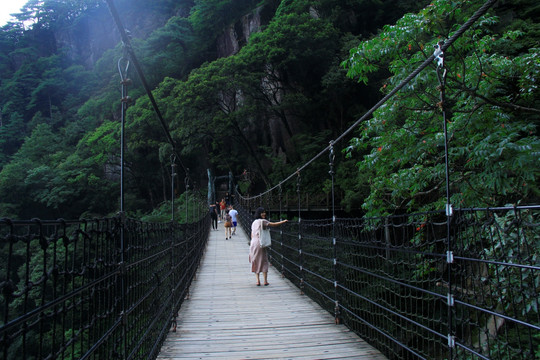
<point>213,215</point>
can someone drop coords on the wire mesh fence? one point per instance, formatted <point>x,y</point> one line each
<point>102,289</point>
<point>426,285</point>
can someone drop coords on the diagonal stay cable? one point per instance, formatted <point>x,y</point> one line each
<point>127,44</point>
<point>481,11</point>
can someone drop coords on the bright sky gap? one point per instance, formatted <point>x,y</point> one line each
<point>8,7</point>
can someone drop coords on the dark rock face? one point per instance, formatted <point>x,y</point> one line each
<point>279,128</point>
<point>237,35</point>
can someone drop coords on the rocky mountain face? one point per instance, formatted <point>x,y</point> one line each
<point>232,39</point>
<point>87,40</point>
<point>237,35</point>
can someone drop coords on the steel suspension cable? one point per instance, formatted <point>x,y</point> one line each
<point>123,72</point>
<point>133,58</point>
<point>481,11</point>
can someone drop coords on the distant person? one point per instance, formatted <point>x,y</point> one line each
<point>222,207</point>
<point>233,214</point>
<point>258,257</point>
<point>228,225</point>
<point>213,216</point>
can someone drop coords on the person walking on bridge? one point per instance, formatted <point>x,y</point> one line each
<point>233,214</point>
<point>228,225</point>
<point>222,207</point>
<point>258,257</point>
<point>213,215</point>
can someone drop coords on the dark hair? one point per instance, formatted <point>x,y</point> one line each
<point>258,212</point>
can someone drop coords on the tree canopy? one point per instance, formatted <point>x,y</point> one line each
<point>490,104</point>
<point>264,86</point>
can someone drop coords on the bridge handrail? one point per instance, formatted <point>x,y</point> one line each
<point>65,292</point>
<point>399,284</point>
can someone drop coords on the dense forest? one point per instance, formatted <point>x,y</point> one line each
<point>259,87</point>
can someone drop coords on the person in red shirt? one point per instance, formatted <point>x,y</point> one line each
<point>222,207</point>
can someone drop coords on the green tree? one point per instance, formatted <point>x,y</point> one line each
<point>210,17</point>
<point>491,111</point>
<point>12,132</point>
<point>175,50</point>
<point>18,182</point>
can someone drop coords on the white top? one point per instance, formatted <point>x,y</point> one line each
<point>233,214</point>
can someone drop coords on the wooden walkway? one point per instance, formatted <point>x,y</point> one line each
<point>228,317</point>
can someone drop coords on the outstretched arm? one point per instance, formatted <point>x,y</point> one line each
<point>277,223</point>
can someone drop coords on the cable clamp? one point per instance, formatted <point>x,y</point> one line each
<point>439,54</point>
<point>450,299</point>
<point>450,257</point>
<point>451,341</point>
<point>449,210</point>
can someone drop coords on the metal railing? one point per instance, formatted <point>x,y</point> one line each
<point>418,286</point>
<point>101,289</point>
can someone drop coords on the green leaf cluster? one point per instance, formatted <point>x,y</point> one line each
<point>490,108</point>
<point>266,107</point>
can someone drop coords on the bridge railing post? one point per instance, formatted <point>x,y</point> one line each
<point>331,172</point>
<point>122,277</point>
<point>280,194</point>
<point>300,256</point>
<point>186,183</point>
<point>173,280</point>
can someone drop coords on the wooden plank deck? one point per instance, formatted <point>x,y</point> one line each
<point>228,317</point>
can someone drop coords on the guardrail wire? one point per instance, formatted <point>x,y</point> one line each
<point>391,274</point>
<point>66,294</point>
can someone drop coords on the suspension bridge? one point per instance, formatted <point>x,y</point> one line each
<point>449,284</point>
<point>227,316</point>
<point>118,288</point>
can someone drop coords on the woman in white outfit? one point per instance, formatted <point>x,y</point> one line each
<point>258,257</point>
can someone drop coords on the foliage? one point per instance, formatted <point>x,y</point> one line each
<point>188,208</point>
<point>175,41</point>
<point>503,240</point>
<point>490,108</point>
<point>210,17</point>
<point>270,106</point>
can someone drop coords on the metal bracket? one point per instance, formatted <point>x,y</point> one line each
<point>449,257</point>
<point>439,54</point>
<point>450,299</point>
<point>451,341</point>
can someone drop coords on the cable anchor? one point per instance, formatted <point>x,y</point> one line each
<point>439,54</point>
<point>332,157</point>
